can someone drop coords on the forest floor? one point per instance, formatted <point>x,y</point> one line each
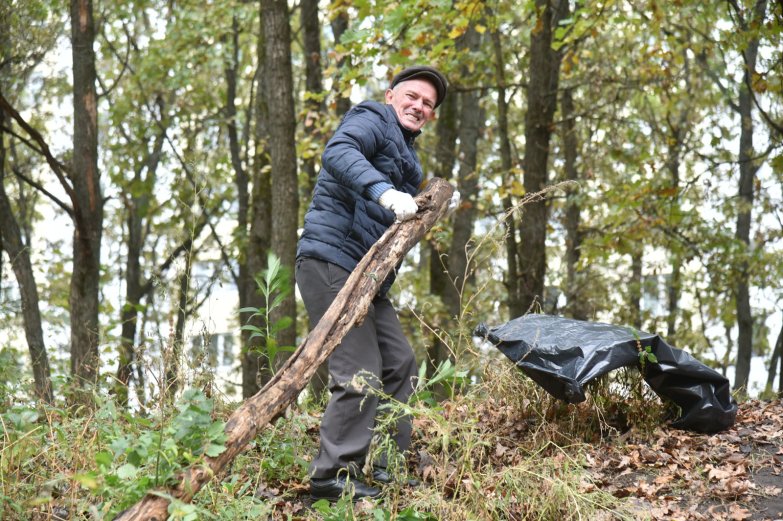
<point>678,475</point>
<point>502,450</point>
<point>665,474</point>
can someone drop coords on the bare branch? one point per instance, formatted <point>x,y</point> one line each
<point>59,169</point>
<point>38,186</point>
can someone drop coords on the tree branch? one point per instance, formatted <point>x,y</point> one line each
<point>57,167</point>
<point>44,191</point>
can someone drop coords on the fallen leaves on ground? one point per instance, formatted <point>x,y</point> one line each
<point>666,474</point>
<point>682,475</point>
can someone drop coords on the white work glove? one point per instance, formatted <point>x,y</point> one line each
<point>453,202</point>
<point>402,204</point>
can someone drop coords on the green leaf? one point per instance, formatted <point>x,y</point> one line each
<point>216,430</point>
<point>104,458</point>
<point>87,479</point>
<point>127,471</point>
<point>652,358</point>
<point>323,506</point>
<point>254,329</point>
<point>214,450</point>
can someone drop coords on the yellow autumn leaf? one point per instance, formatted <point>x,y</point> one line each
<point>457,32</point>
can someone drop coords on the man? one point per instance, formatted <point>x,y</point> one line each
<point>370,173</point>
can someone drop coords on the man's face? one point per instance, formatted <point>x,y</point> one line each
<point>413,101</point>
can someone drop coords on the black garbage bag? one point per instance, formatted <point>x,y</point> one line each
<point>563,355</point>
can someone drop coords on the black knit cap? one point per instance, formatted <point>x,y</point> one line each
<point>423,72</point>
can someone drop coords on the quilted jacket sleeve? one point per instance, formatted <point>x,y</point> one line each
<point>360,136</point>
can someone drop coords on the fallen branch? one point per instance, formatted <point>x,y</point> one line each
<point>349,308</point>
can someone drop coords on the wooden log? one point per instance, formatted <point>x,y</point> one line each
<point>349,308</point>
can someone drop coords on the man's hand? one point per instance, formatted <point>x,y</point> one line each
<point>402,204</point>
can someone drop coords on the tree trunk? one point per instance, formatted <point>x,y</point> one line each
<point>747,169</point>
<point>246,284</point>
<point>459,272</point>
<point>635,290</point>
<point>543,75</point>
<point>136,207</point>
<point>777,354</point>
<point>339,26</point>
<point>173,354</point>
<point>19,253</point>
<point>133,295</point>
<point>254,366</point>
<point>471,123</point>
<point>507,174</point>
<point>780,358</point>
<point>349,308</point>
<point>575,300</point>
<point>282,151</point>
<point>675,141</point>
<point>315,108</point>
<point>440,283</point>
<point>677,120</point>
<point>88,204</point>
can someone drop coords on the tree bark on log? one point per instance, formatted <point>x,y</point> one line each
<point>349,308</point>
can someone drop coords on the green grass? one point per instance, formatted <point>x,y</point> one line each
<point>503,449</point>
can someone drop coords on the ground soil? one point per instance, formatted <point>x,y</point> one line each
<point>736,474</point>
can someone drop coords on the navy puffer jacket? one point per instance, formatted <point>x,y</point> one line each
<point>343,221</point>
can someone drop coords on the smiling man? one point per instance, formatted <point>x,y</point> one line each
<point>369,174</point>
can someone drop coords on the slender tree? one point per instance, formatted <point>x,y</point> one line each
<point>445,158</point>
<point>282,148</point>
<point>339,22</point>
<point>246,285</point>
<point>314,105</point>
<point>748,167</point>
<point>12,238</point>
<point>173,353</point>
<point>507,175</point>
<point>469,135</point>
<point>315,109</point>
<point>575,304</point>
<point>777,355</point>
<point>136,203</point>
<point>542,84</point>
<point>12,241</point>
<point>254,363</point>
<point>87,201</point>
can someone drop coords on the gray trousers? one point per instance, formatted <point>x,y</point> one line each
<point>376,348</point>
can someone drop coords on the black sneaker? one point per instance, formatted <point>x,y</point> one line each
<point>334,488</point>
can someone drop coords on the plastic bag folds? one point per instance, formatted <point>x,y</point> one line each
<point>563,355</point>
